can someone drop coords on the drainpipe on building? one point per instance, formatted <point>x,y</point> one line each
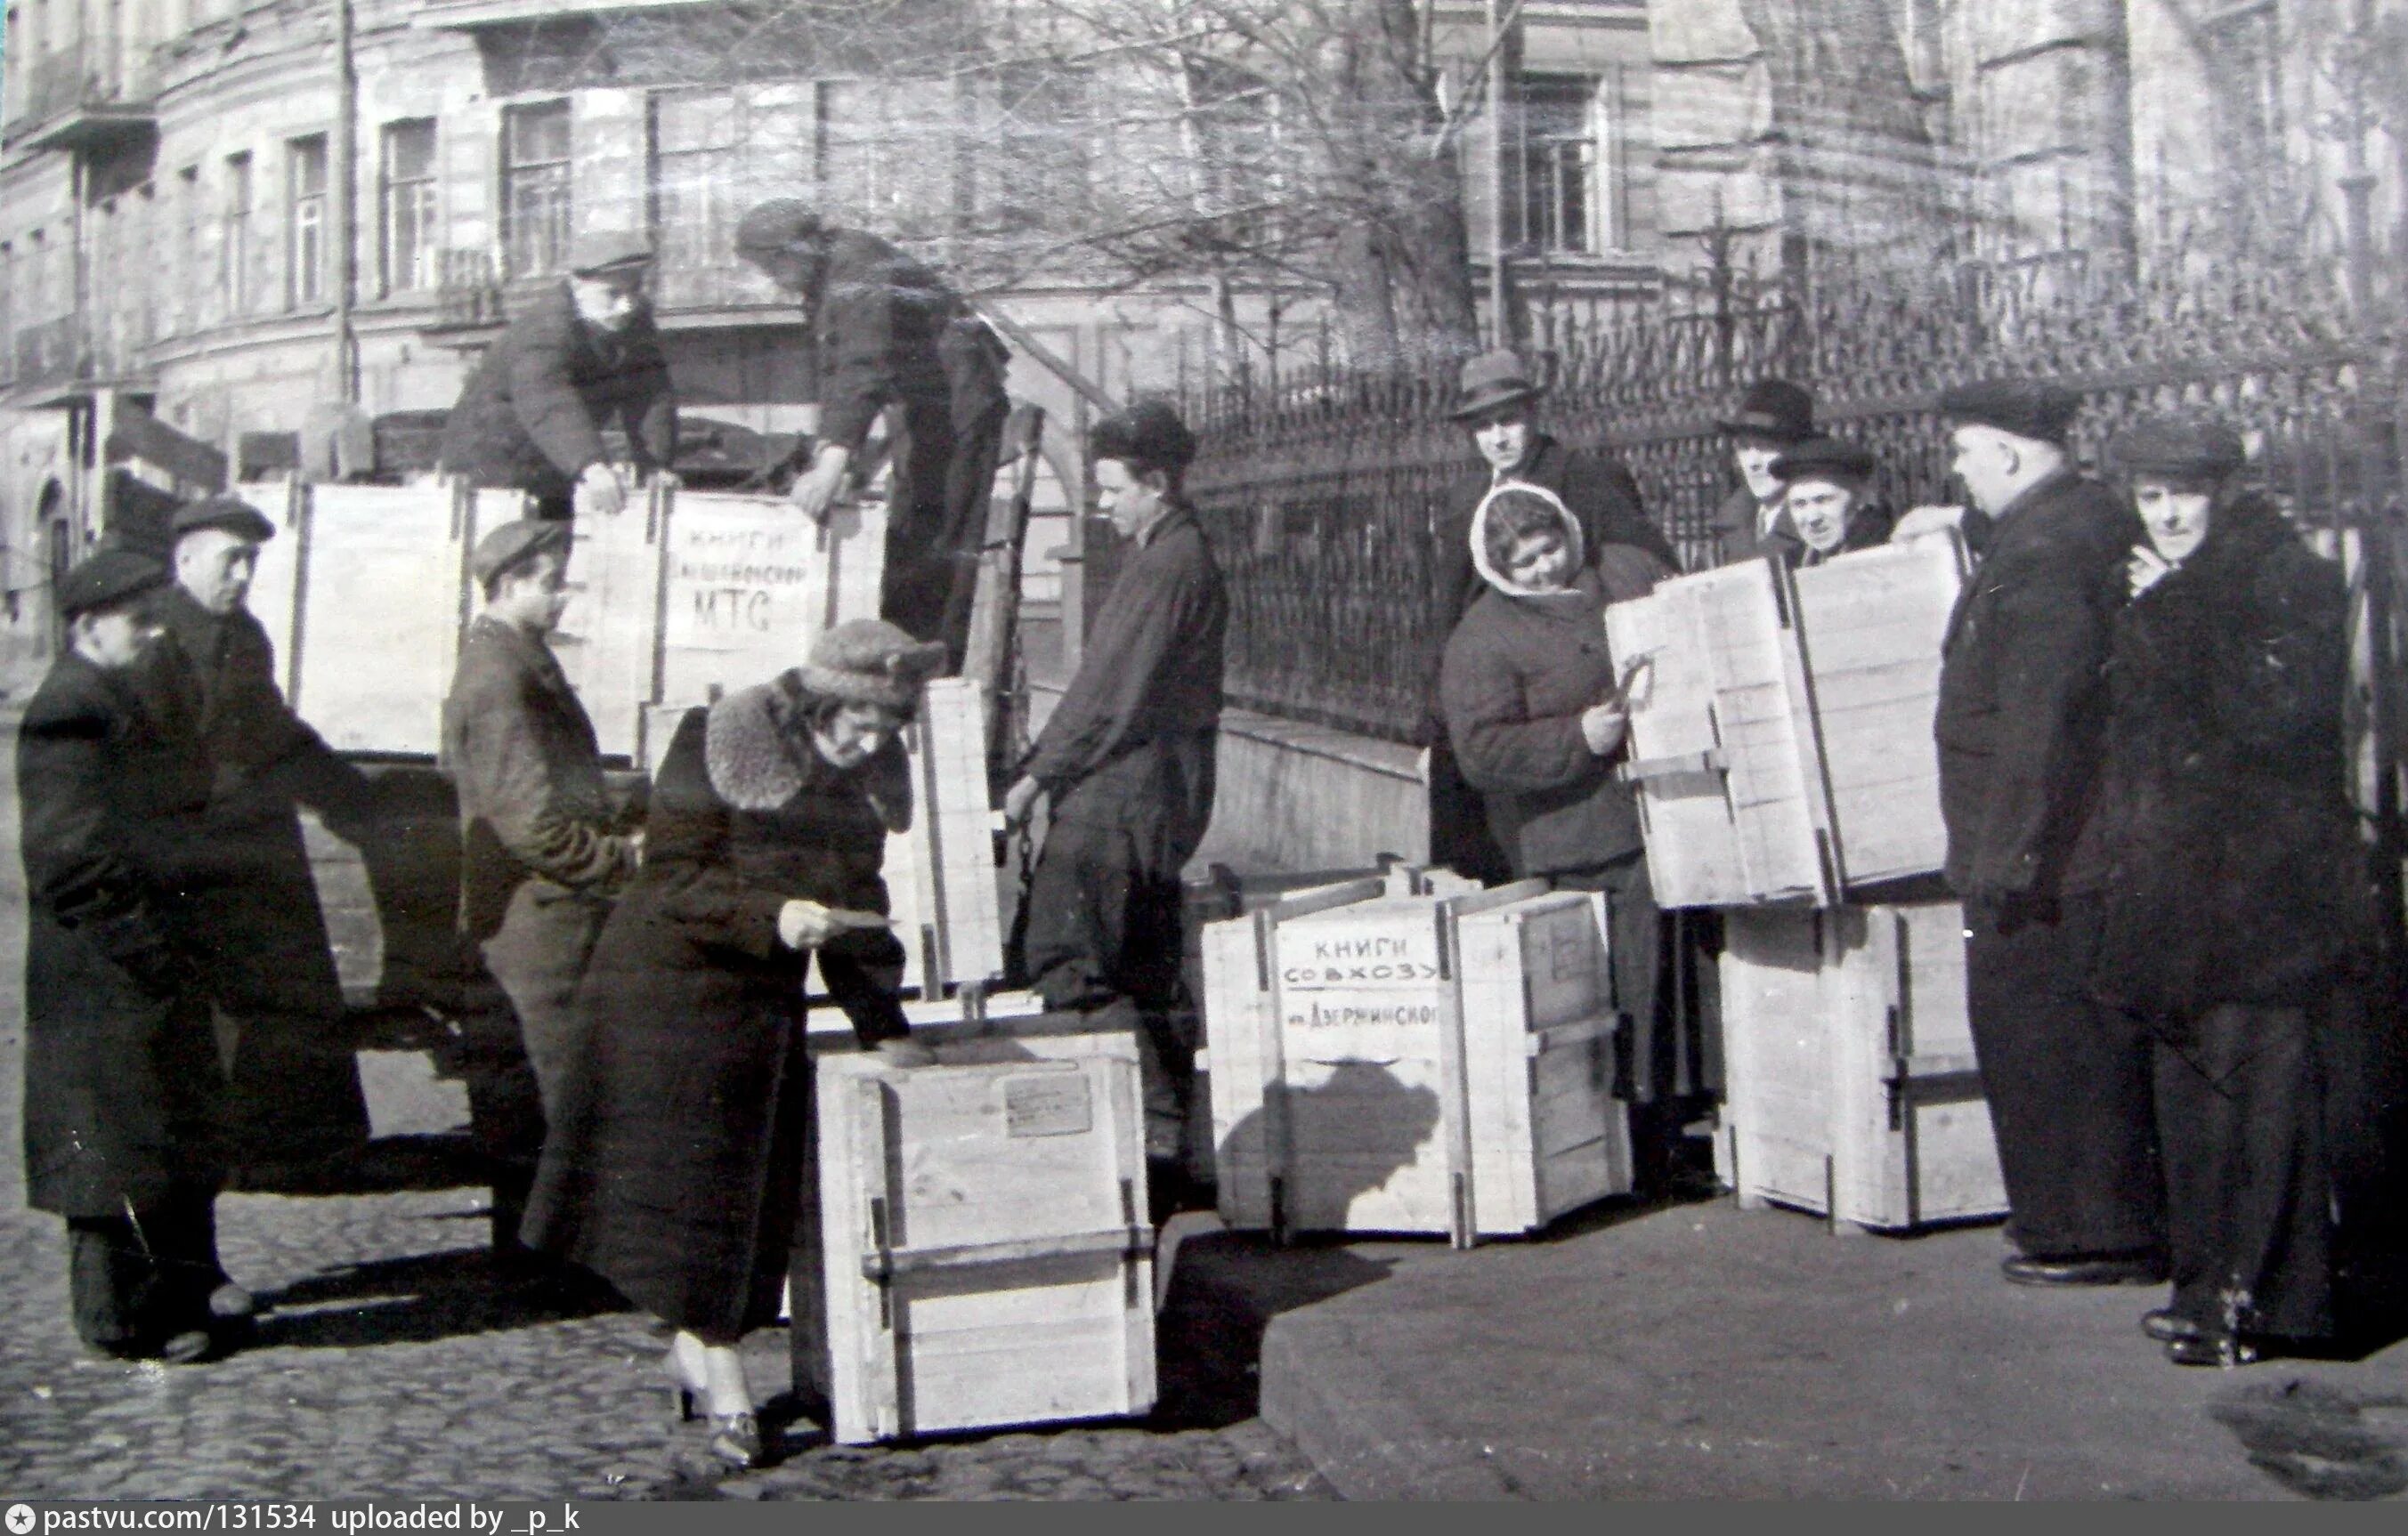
<point>345,190</point>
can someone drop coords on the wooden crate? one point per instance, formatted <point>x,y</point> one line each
<point>979,1254</point>
<point>942,873</point>
<point>1411,1063</point>
<point>376,614</point>
<point>1781,729</point>
<point>1852,1089</point>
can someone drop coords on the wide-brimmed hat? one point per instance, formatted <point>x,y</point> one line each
<point>1490,380</point>
<point>231,514</point>
<point>107,577</point>
<point>2024,407</point>
<point>2181,446</point>
<point>1823,457</point>
<point>600,251</point>
<point>869,661</point>
<point>1773,408</point>
<point>514,544</point>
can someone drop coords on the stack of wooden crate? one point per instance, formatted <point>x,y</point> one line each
<point>1786,775</point>
<point>1436,1062</point>
<point>977,1253</point>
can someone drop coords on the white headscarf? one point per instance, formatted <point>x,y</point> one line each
<point>1480,559</point>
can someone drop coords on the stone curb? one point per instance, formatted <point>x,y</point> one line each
<point>1321,1390</point>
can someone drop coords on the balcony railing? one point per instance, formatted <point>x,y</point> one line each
<point>81,93</point>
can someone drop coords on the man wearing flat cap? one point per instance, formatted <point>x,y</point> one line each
<point>885,332</point>
<point>2022,708</point>
<point>582,356</point>
<point>124,1095</point>
<point>541,851</point>
<point>1127,765</point>
<point>297,1103</point>
<point>1774,418</point>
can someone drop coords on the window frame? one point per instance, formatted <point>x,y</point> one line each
<point>424,193</point>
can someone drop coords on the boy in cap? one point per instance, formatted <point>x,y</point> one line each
<point>2022,707</point>
<point>297,1103</point>
<point>583,355</point>
<point>541,852</point>
<point>887,331</point>
<point>123,1093</point>
<point>1126,764</point>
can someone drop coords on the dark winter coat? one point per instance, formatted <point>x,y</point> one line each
<point>1131,744</point>
<point>884,329</point>
<point>673,1166</point>
<point>531,415</point>
<point>123,1093</point>
<point>1738,529</point>
<point>2023,699</point>
<point>533,802</point>
<point>1519,672</point>
<point>268,960</point>
<point>1869,527</point>
<point>2236,872</point>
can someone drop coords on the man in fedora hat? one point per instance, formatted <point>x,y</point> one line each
<point>2020,724</point>
<point>124,1093</point>
<point>1495,403</point>
<point>542,853</point>
<point>885,332</point>
<point>582,356</point>
<point>297,1104</point>
<point>1773,417</point>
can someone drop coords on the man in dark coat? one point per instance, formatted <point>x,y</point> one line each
<point>298,1105</point>
<point>583,355</point>
<point>1126,762</point>
<point>2020,729</point>
<point>1773,417</point>
<point>1495,405</point>
<point>1827,507</point>
<point>2238,918</point>
<point>540,852</point>
<point>885,331</point>
<point>123,1090</point>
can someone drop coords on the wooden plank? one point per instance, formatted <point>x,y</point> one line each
<point>607,635</point>
<point>1693,857</point>
<point>380,579</point>
<point>1750,654</point>
<point>275,580</point>
<point>1776,1062</point>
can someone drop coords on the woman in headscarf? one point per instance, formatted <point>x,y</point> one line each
<point>1537,717</point>
<point>674,1169</point>
<point>2238,905</point>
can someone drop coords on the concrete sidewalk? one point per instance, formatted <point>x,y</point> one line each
<point>1699,1351</point>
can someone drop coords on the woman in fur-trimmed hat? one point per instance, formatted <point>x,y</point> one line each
<point>674,1169</point>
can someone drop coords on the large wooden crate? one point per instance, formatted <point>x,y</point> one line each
<point>1852,1089</point>
<point>980,1254</point>
<point>377,614</point>
<point>1413,1063</point>
<point>1781,725</point>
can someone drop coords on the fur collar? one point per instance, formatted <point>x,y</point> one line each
<point>754,766</point>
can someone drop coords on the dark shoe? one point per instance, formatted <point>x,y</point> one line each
<point>2086,1269</point>
<point>2222,1350</point>
<point>2166,1326</point>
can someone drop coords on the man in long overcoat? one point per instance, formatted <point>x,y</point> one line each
<point>2023,703</point>
<point>123,1090</point>
<point>885,331</point>
<point>1126,762</point>
<point>1495,404</point>
<point>540,852</point>
<point>582,356</point>
<point>297,1103</point>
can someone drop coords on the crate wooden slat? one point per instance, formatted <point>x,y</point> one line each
<point>941,873</point>
<point>376,625</point>
<point>606,634</point>
<point>1849,1061</point>
<point>979,1256</point>
<point>1413,1063</point>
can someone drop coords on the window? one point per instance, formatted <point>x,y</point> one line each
<point>234,254</point>
<point>535,189</point>
<point>305,221</point>
<point>695,171</point>
<point>189,286</point>
<point>408,216</point>
<point>1045,144</point>
<point>1563,208</point>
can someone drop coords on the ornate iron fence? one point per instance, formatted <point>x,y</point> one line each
<point>1320,492</point>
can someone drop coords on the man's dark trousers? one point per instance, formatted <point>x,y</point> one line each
<point>2069,1082</point>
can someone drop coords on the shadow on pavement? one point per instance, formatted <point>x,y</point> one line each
<point>419,1300</point>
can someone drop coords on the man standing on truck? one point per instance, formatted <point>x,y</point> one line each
<point>885,331</point>
<point>542,853</point>
<point>583,355</point>
<point>1126,762</point>
<point>279,1002</point>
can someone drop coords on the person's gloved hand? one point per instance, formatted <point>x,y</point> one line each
<point>600,491</point>
<point>1603,726</point>
<point>815,491</point>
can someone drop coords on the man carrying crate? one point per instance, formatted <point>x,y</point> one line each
<point>2020,719</point>
<point>1126,764</point>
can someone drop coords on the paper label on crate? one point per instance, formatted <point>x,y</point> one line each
<point>1054,1105</point>
<point>1355,961</point>
<point>1329,1013</point>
